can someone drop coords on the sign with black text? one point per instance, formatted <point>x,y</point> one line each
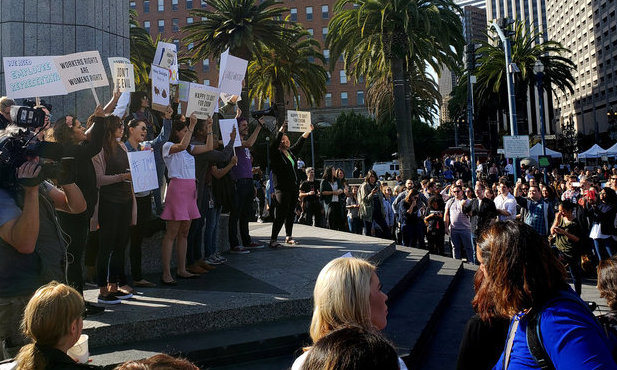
<point>202,101</point>
<point>122,74</point>
<point>80,71</point>
<point>298,121</point>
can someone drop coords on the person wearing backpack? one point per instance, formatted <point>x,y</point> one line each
<point>524,280</point>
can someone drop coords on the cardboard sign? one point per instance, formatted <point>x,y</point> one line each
<point>166,56</point>
<point>183,90</point>
<point>122,74</point>
<point>80,71</point>
<point>202,101</point>
<point>298,121</point>
<point>27,77</point>
<point>231,74</point>
<point>227,126</point>
<point>160,88</point>
<point>143,170</point>
<point>516,146</point>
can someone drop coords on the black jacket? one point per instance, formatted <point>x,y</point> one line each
<point>285,174</point>
<point>58,360</point>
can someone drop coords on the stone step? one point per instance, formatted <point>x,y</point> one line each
<point>413,316</point>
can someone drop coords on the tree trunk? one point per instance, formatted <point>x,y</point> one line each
<point>402,114</point>
<point>279,100</point>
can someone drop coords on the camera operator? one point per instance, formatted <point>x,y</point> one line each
<point>32,248</point>
<point>5,111</point>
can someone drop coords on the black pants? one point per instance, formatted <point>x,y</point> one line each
<point>284,213</point>
<point>240,212</point>
<point>334,217</point>
<point>313,210</point>
<point>114,220</point>
<point>435,242</point>
<point>137,232</point>
<point>76,227</point>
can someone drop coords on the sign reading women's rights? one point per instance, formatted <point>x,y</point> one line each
<point>232,73</point>
<point>122,73</point>
<point>27,77</point>
<point>143,170</point>
<point>81,71</point>
<point>298,121</point>
<point>227,125</point>
<point>202,101</point>
<point>160,88</point>
<point>166,56</point>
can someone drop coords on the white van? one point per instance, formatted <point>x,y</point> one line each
<point>381,168</point>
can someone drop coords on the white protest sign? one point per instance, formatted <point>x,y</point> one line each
<point>80,71</point>
<point>298,121</point>
<point>122,104</point>
<point>122,74</point>
<point>231,75</point>
<point>166,56</point>
<point>227,125</point>
<point>143,170</point>
<point>160,88</point>
<point>222,64</point>
<point>27,77</point>
<point>183,90</point>
<point>516,146</point>
<point>202,100</point>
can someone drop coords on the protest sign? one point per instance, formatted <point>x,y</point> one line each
<point>80,71</point>
<point>143,170</point>
<point>202,101</point>
<point>166,56</point>
<point>122,105</point>
<point>122,74</point>
<point>227,126</point>
<point>298,121</point>
<point>231,75</point>
<point>27,77</point>
<point>223,61</point>
<point>516,146</point>
<point>183,90</point>
<point>160,88</point>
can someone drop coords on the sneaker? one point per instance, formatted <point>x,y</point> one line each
<point>254,245</point>
<point>239,250</point>
<point>123,294</point>
<point>92,310</point>
<point>110,298</point>
<point>220,258</point>
<point>212,260</point>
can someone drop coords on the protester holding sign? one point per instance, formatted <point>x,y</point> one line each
<point>181,206</point>
<point>286,180</point>
<point>136,141</point>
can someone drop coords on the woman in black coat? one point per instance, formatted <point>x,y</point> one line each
<point>285,179</point>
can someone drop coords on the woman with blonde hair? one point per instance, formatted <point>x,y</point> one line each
<point>53,320</point>
<point>347,292</point>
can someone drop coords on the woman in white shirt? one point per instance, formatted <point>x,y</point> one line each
<point>181,199</point>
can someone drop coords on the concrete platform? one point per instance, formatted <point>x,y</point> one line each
<point>264,286</point>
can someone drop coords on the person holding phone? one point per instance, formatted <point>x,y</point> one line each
<point>372,206</point>
<point>567,234</point>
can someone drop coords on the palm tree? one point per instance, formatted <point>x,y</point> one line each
<point>277,75</point>
<point>245,27</point>
<point>396,38</point>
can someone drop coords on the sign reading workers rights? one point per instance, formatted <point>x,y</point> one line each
<point>81,71</point>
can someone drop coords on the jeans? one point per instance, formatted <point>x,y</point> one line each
<point>114,221</point>
<point>144,213</point>
<point>241,212</point>
<point>76,226</point>
<point>462,238</point>
<point>603,245</point>
<point>355,225</point>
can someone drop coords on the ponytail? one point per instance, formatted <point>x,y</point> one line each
<point>30,357</point>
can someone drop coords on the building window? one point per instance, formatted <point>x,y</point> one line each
<point>328,78</point>
<point>309,13</point>
<point>161,25</point>
<point>344,99</point>
<point>146,6</point>
<point>206,65</point>
<point>189,20</point>
<point>328,100</point>
<point>189,46</point>
<point>161,5</point>
<point>189,4</point>
<point>326,55</point>
<point>204,3</point>
<point>147,26</point>
<point>343,76</point>
<point>207,82</point>
<point>132,5</point>
<point>174,5</point>
<point>294,14</point>
<point>324,11</point>
<point>177,43</point>
<point>324,32</point>
<point>175,25</point>
<point>203,19</point>
<point>360,98</point>
<point>310,31</point>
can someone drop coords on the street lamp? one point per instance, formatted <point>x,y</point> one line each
<point>538,70</point>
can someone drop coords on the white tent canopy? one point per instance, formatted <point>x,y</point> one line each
<point>536,151</point>
<point>595,151</point>
<point>611,152</point>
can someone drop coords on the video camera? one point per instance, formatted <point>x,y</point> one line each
<point>28,116</point>
<point>265,112</point>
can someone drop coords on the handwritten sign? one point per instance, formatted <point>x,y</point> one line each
<point>143,170</point>
<point>122,74</point>
<point>231,75</point>
<point>516,146</point>
<point>166,56</point>
<point>227,125</point>
<point>27,77</point>
<point>202,100</point>
<point>160,88</point>
<point>298,121</point>
<point>81,71</point>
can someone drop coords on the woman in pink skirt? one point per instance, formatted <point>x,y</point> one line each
<point>181,200</point>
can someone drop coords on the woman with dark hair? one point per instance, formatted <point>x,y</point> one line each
<point>523,280</point>
<point>607,285</point>
<point>285,178</point>
<point>182,195</point>
<point>411,211</point>
<point>371,205</point>
<point>602,218</point>
<point>330,190</point>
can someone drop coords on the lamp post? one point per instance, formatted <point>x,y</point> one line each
<point>538,70</point>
